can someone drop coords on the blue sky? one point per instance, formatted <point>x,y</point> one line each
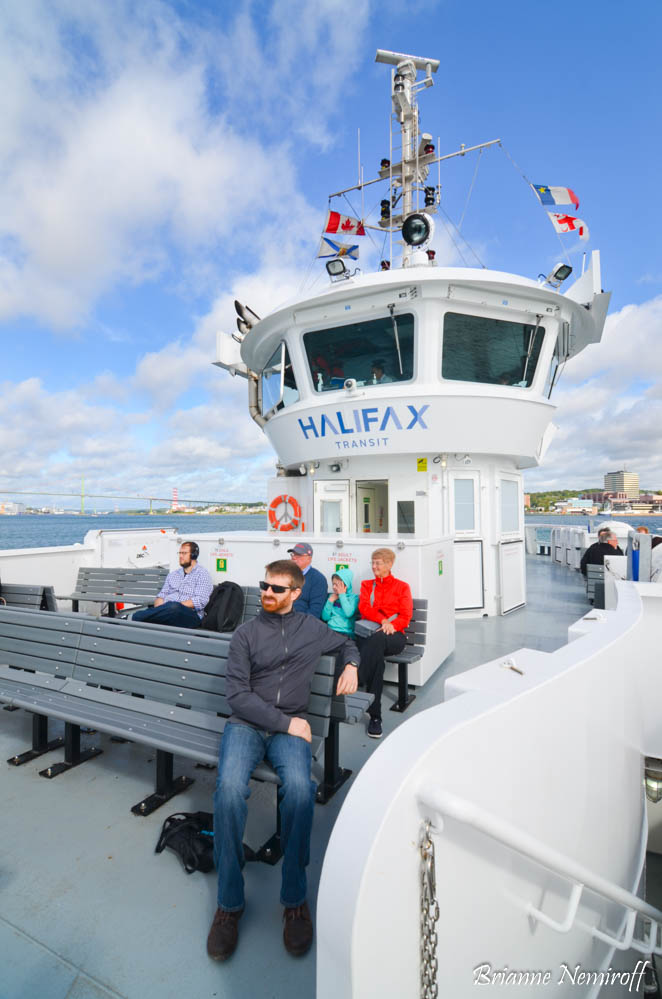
<point>161,159</point>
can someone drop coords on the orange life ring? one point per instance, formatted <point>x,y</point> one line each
<point>288,521</point>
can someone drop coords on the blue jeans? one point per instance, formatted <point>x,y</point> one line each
<point>172,613</point>
<point>242,748</point>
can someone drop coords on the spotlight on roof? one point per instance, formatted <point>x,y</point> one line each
<point>558,275</point>
<point>336,269</point>
<point>417,229</point>
<point>246,318</point>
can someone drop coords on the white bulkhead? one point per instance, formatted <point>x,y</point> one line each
<point>406,403</point>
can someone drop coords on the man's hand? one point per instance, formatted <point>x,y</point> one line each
<point>387,627</point>
<point>187,603</point>
<point>158,601</point>
<point>300,728</point>
<point>348,682</point>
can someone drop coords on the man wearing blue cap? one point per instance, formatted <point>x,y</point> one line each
<point>315,587</point>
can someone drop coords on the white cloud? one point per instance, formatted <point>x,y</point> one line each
<point>119,164</point>
<point>610,406</point>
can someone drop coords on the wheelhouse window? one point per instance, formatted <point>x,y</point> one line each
<point>278,387</point>
<point>491,351</point>
<point>372,352</point>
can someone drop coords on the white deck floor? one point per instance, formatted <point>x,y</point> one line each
<point>88,910</point>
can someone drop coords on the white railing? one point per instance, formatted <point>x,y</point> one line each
<point>581,877</point>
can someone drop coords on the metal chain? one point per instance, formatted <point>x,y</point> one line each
<point>429,916</point>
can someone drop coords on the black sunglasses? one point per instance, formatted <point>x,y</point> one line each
<point>276,587</point>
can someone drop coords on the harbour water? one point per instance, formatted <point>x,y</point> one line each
<point>50,530</point>
<point>653,523</point>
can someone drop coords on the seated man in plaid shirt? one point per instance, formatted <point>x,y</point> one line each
<point>184,594</point>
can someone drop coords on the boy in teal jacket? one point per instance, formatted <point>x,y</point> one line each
<point>339,611</point>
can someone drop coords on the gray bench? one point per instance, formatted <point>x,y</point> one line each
<point>117,585</point>
<point>163,687</point>
<point>27,597</point>
<point>595,585</point>
<point>415,635</point>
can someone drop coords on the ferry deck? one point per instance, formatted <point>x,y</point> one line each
<point>89,911</point>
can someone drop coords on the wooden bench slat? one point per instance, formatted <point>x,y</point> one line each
<point>122,670</point>
<point>33,619</point>
<point>141,652</point>
<point>158,691</point>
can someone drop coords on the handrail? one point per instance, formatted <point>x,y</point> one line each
<point>445,803</point>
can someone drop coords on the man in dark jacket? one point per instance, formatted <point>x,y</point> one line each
<point>271,663</point>
<point>315,587</point>
<point>607,544</point>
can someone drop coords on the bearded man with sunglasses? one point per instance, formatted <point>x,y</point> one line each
<point>271,663</point>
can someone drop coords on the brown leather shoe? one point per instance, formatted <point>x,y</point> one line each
<point>224,934</point>
<point>298,930</point>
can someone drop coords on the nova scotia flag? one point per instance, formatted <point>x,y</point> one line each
<point>329,248</point>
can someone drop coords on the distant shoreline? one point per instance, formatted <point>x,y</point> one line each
<point>620,513</point>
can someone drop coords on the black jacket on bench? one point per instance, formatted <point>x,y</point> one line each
<point>271,663</point>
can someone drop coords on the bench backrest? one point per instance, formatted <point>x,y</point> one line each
<point>177,666</point>
<point>100,582</point>
<point>26,597</point>
<point>252,603</point>
<point>46,643</point>
<point>416,630</point>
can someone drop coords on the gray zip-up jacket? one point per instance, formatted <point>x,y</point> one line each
<point>271,662</point>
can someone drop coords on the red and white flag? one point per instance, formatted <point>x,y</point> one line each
<point>568,223</point>
<point>343,223</point>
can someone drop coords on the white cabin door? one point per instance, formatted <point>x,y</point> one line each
<point>372,507</point>
<point>511,559</point>
<point>331,500</point>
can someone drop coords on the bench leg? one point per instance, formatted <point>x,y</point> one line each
<point>40,743</point>
<point>73,756</point>
<point>166,786</point>
<point>404,697</point>
<point>334,775</point>
<point>271,851</point>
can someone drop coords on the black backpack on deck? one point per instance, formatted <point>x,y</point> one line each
<point>191,836</point>
<point>224,607</point>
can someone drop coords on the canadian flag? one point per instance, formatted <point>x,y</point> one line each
<point>568,223</point>
<point>335,222</point>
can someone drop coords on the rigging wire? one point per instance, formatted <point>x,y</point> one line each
<point>471,188</point>
<point>466,241</point>
<point>530,185</point>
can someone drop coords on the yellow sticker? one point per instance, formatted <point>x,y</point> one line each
<point>421,464</point>
<point>221,565</point>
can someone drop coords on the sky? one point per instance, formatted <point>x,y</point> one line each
<point>159,160</point>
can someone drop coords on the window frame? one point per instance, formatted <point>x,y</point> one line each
<point>324,327</point>
<point>522,319</point>
<point>280,404</point>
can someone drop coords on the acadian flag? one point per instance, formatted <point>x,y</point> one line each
<point>556,195</point>
<point>329,248</point>
<point>568,223</point>
<point>343,223</point>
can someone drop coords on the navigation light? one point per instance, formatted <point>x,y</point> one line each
<point>417,229</point>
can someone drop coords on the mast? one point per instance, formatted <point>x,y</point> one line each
<point>417,154</point>
<point>413,168</point>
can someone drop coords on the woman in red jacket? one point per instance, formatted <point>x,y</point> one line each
<point>387,601</point>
